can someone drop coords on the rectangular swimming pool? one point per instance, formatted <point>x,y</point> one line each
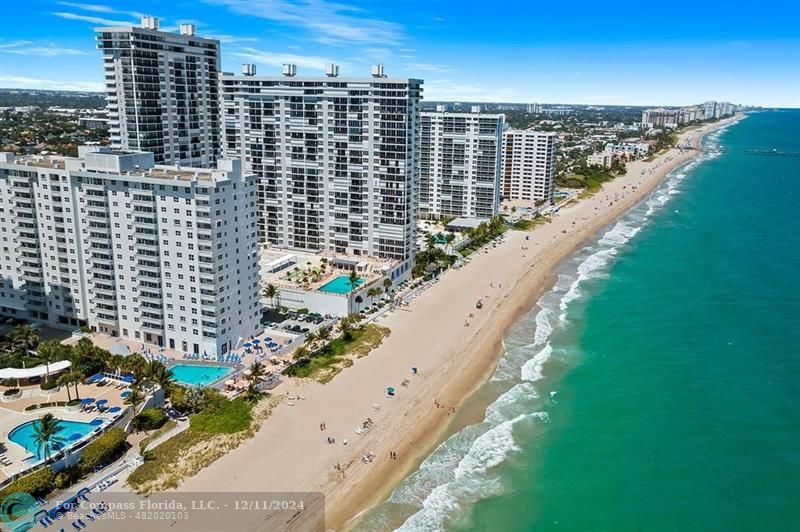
<point>198,374</point>
<point>340,285</point>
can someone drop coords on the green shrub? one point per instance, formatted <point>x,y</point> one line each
<point>11,391</point>
<point>38,484</point>
<point>74,402</point>
<point>104,449</point>
<point>67,477</point>
<point>223,416</point>
<point>150,419</point>
<point>49,385</point>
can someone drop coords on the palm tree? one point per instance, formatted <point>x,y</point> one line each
<point>430,245</point>
<point>66,381</point>
<point>45,433</point>
<point>47,352</point>
<point>256,372</point>
<point>311,339</point>
<point>73,378</point>
<point>300,353</point>
<point>23,338</point>
<point>163,377</point>
<point>324,334</point>
<point>252,394</point>
<point>270,291</point>
<point>449,239</point>
<point>135,364</point>
<point>387,284</point>
<point>353,279</point>
<point>135,398</point>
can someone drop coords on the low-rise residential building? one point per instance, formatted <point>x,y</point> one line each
<point>321,282</point>
<point>162,255</point>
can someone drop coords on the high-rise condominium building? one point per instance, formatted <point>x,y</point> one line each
<point>162,91</point>
<point>155,254</point>
<point>460,164</point>
<point>529,165</point>
<point>338,158</point>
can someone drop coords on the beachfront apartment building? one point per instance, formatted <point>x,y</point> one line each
<point>337,158</point>
<point>460,159</point>
<point>528,165</point>
<point>162,92</point>
<point>661,118</point>
<point>163,255</point>
<point>673,118</point>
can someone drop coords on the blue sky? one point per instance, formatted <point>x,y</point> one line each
<point>638,53</point>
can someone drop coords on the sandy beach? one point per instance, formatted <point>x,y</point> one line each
<point>454,346</point>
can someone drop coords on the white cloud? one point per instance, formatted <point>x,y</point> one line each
<point>92,19</point>
<point>428,67</point>
<point>45,50</point>
<point>231,39</point>
<point>22,82</point>
<point>277,59</point>
<point>97,8</point>
<point>327,22</point>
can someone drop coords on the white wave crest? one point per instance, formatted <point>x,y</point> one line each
<point>470,482</point>
<point>532,369</point>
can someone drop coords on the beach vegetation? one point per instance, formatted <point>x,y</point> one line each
<point>38,484</point>
<point>222,425</point>
<point>149,419</point>
<point>166,427</point>
<point>105,449</point>
<point>483,234</point>
<point>356,341</point>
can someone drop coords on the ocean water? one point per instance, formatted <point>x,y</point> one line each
<point>657,385</point>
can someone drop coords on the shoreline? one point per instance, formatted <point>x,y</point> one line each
<point>455,346</point>
<point>535,289</point>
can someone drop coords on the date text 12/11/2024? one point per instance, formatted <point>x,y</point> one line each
<point>206,511</point>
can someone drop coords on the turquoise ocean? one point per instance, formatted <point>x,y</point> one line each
<point>657,385</point>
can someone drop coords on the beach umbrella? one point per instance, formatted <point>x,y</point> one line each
<point>247,345</point>
<point>389,390</point>
<point>229,383</point>
<point>101,403</point>
<point>267,339</point>
<point>256,341</point>
<point>96,422</point>
<point>247,372</point>
<point>114,409</point>
<point>125,394</point>
<point>87,401</point>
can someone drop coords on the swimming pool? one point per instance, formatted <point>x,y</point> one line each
<point>340,285</point>
<point>198,374</point>
<point>71,431</point>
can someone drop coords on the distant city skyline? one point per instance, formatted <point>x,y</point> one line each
<point>626,53</point>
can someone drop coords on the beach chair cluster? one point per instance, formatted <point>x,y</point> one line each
<point>4,460</point>
<point>227,358</point>
<point>156,357</point>
<point>105,484</point>
<point>47,518</point>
